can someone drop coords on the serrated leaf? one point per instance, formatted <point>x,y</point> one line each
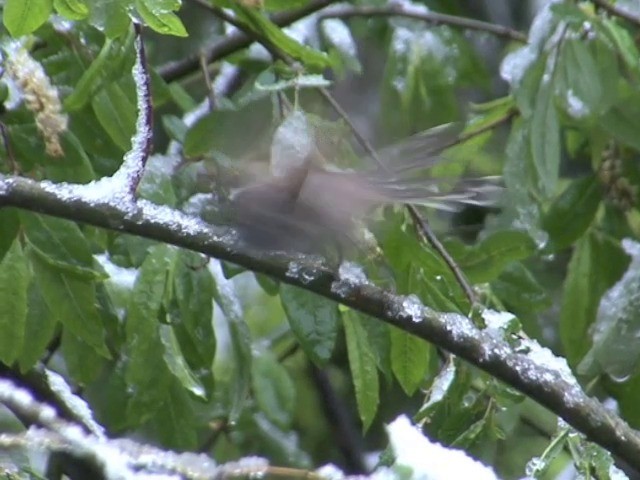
<point>177,364</point>
<point>362,363</point>
<point>313,319</point>
<point>545,139</point>
<point>22,17</point>
<point>146,373</point>
<point>71,9</point>
<point>273,389</point>
<point>586,281</point>
<point>409,360</point>
<point>72,301</point>
<point>116,113</point>
<point>40,327</point>
<point>572,213</point>
<point>161,19</point>
<point>14,281</point>
<point>60,243</point>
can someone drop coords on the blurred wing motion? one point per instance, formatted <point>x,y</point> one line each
<point>311,205</point>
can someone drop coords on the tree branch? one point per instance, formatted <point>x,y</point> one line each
<point>617,11</point>
<point>455,333</point>
<point>435,18</point>
<point>234,42</point>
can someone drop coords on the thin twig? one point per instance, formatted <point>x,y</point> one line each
<point>397,10</point>
<point>235,41</point>
<point>617,11</point>
<point>422,226</point>
<point>207,82</point>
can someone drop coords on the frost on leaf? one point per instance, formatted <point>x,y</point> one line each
<point>617,328</point>
<point>293,142</point>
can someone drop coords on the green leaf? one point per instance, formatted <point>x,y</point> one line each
<point>518,289</point>
<point>9,226</point>
<point>623,120</point>
<point>313,319</point>
<point>617,327</point>
<point>409,360</point>
<point>72,301</point>
<point>587,279</point>
<point>71,9</point>
<point>82,361</point>
<point>232,366</point>
<point>22,17</point>
<point>582,77</point>
<point>624,42</point>
<point>160,18</point>
<point>39,329</point>
<point>194,287</point>
<point>146,373</point>
<point>485,261</point>
<point>572,213</point>
<point>176,424</point>
<point>545,139</point>
<point>273,389</point>
<point>110,17</point>
<point>90,78</point>
<point>362,362</point>
<point>116,113</point>
<point>60,243</point>
<point>312,59</point>
<point>14,281</point>
<point>177,364</point>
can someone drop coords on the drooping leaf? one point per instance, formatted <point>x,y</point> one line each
<point>617,327</point>
<point>586,281</point>
<point>40,327</point>
<point>146,373</point>
<point>410,358</point>
<point>313,319</point>
<point>72,301</point>
<point>60,243</point>
<point>116,113</point>
<point>232,366</point>
<point>273,389</point>
<point>485,261</point>
<point>545,139</point>
<point>362,363</point>
<point>572,213</point>
<point>14,283</point>
<point>176,363</point>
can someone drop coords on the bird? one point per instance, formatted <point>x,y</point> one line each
<point>303,203</point>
